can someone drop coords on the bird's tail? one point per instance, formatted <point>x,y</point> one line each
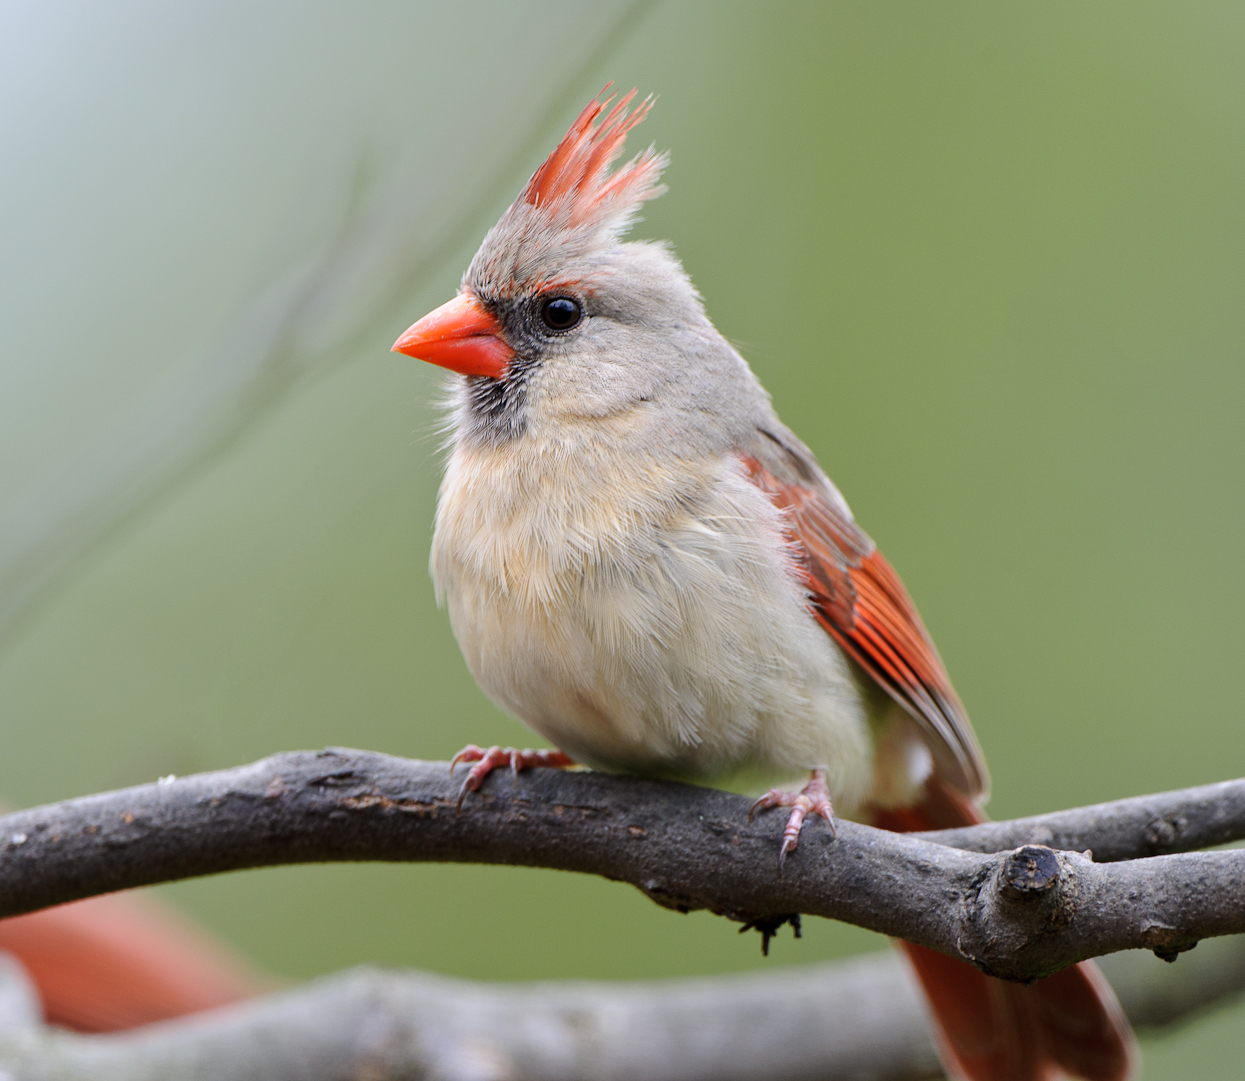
<point>1066,1025</point>
<point>123,960</point>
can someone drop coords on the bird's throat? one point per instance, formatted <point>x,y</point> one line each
<point>495,411</point>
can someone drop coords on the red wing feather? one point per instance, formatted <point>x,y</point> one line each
<point>1068,1023</point>
<point>860,601</point>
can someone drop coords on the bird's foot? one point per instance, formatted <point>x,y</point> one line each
<point>487,761</point>
<point>813,798</point>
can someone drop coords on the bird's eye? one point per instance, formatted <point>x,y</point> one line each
<point>561,313</point>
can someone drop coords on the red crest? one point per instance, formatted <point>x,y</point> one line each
<point>576,175</point>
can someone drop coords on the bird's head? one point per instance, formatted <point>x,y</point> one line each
<point>558,320</point>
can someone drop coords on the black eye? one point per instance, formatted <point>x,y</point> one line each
<point>561,313</point>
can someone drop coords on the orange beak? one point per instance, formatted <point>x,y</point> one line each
<point>461,336</point>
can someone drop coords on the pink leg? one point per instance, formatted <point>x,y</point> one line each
<point>487,761</point>
<point>814,797</point>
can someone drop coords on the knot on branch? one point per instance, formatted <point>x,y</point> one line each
<point>1029,870</point>
<point>1168,943</point>
<point>1031,888</point>
<point>1022,897</point>
<point>1163,833</point>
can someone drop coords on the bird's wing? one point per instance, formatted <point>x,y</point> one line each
<point>858,598</point>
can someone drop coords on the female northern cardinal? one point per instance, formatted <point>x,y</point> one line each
<point>643,564</point>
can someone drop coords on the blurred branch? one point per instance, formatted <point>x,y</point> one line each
<point>853,1019</point>
<point>305,322</point>
<point>801,1023</point>
<point>1156,996</point>
<point>1019,914</point>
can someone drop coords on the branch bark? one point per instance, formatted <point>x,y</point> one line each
<point>854,1019</point>
<point>1127,829</point>
<point>1018,915</point>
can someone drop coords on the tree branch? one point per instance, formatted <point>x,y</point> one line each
<point>853,1019</point>
<point>1018,915</point>
<point>1127,829</point>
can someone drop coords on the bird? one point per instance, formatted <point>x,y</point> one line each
<point>643,564</point>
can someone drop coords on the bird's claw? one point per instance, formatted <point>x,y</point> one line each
<point>814,798</point>
<point>485,761</point>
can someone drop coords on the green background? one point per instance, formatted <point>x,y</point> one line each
<point>988,258</point>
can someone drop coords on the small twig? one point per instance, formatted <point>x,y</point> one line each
<point>1017,915</point>
<point>1127,829</point>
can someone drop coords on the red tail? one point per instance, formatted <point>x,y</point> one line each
<point>1066,1025</point>
<point>123,960</point>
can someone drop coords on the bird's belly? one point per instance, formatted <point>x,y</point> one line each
<point>675,644</point>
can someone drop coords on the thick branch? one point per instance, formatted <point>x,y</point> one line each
<point>860,1018</point>
<point>1018,915</point>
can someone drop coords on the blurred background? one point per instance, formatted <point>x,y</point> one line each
<point>989,259</point>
